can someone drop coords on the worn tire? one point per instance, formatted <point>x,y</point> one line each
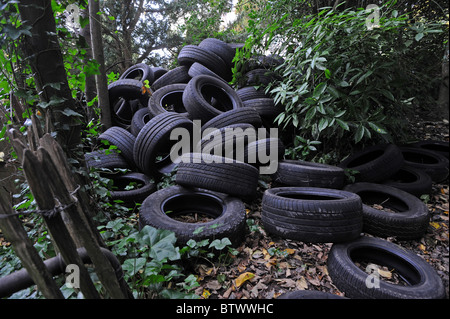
<point>176,75</point>
<point>235,116</point>
<point>265,107</point>
<point>311,214</point>
<point>101,159</point>
<point>154,140</point>
<point>308,174</point>
<point>133,196</point>
<point>218,174</point>
<point>220,48</point>
<point>140,72</point>
<point>408,221</point>
<point>425,283</point>
<point>228,213</point>
<point>190,54</point>
<point>309,294</point>
<point>411,180</point>
<point>430,162</point>
<point>206,97</point>
<point>439,147</point>
<point>140,118</point>
<point>121,138</point>
<point>375,163</point>
<point>169,98</point>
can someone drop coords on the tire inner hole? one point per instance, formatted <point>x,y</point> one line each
<point>382,201</point>
<point>193,208</point>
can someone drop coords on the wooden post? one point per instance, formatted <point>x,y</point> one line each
<point>39,185</point>
<point>13,230</point>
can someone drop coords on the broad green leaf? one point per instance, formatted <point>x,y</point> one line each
<point>359,133</point>
<point>161,243</point>
<point>376,128</point>
<point>320,88</point>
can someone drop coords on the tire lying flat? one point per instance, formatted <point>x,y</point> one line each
<point>398,213</point>
<point>424,282</point>
<point>308,174</point>
<point>228,214</point>
<point>375,163</point>
<point>311,214</point>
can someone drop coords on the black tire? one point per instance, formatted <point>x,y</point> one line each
<point>430,162</point>
<point>263,146</point>
<point>206,97</point>
<point>158,72</point>
<point>104,159</point>
<point>397,213</point>
<point>220,48</point>
<point>140,72</point>
<point>235,116</point>
<point>227,140</point>
<point>424,281</point>
<point>265,107</point>
<point>169,98</point>
<point>199,69</point>
<point>411,180</point>
<point>132,196</point>
<point>154,141</point>
<point>177,75</point>
<point>309,294</point>
<point>375,163</point>
<point>228,213</point>
<point>190,54</point>
<point>140,118</point>
<point>434,146</point>
<point>259,77</point>
<point>121,138</point>
<point>310,214</point>
<point>251,93</point>
<point>122,96</point>
<point>218,174</point>
<point>308,174</point>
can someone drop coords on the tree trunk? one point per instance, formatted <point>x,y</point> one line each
<point>90,90</point>
<point>97,51</point>
<point>443,103</point>
<point>42,51</point>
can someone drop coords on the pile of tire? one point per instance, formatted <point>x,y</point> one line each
<point>149,103</point>
<point>308,202</point>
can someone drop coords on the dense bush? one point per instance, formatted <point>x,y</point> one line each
<point>346,77</point>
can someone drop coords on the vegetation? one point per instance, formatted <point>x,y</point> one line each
<point>341,84</point>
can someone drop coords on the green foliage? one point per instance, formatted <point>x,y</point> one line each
<point>342,83</point>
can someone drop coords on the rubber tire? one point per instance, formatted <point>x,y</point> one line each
<point>235,116</point>
<point>255,147</point>
<point>265,107</point>
<point>250,93</point>
<point>228,213</point>
<point>121,138</point>
<point>199,69</point>
<point>140,72</point>
<point>313,215</point>
<point>218,174</point>
<point>173,94</point>
<point>154,137</point>
<point>140,118</point>
<point>176,75</point>
<point>351,280</point>
<point>133,196</point>
<point>430,162</point>
<point>410,220</point>
<point>220,138</point>
<point>220,48</point>
<point>99,159</point>
<point>411,180</point>
<point>375,163</point>
<point>129,90</point>
<point>190,54</point>
<point>434,146</point>
<point>308,174</point>
<point>196,104</point>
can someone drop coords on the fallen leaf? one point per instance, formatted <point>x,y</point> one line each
<point>385,273</point>
<point>289,251</point>
<point>435,225</point>
<point>206,294</point>
<point>302,284</point>
<point>243,278</point>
